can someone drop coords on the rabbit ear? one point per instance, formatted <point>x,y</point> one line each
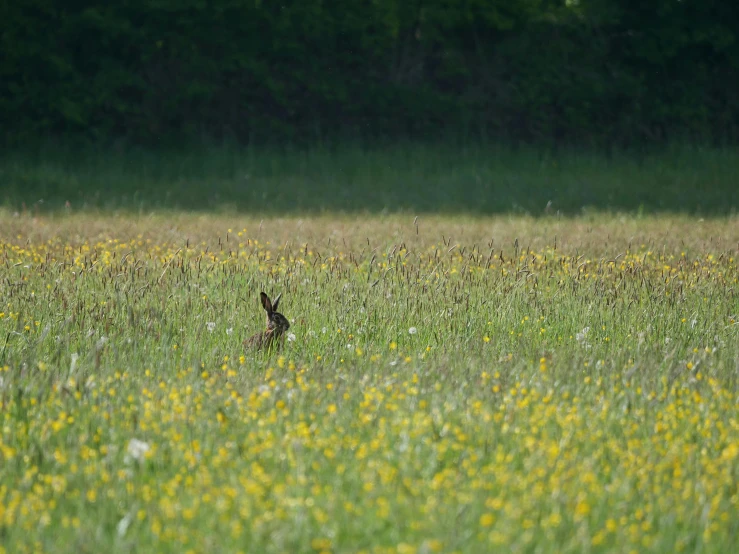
<point>266,302</point>
<point>276,302</point>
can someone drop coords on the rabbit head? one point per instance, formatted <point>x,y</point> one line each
<point>276,322</point>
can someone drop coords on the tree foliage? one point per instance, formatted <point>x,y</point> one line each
<point>587,71</point>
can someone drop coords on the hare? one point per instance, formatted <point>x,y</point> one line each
<point>277,324</point>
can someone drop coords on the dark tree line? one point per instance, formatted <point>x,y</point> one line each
<point>599,72</point>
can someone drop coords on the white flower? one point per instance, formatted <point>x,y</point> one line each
<point>582,335</point>
<point>230,331</point>
<point>291,337</point>
<point>412,331</point>
<point>123,524</point>
<point>323,330</point>
<point>404,440</point>
<point>73,363</point>
<point>136,450</point>
<point>211,326</point>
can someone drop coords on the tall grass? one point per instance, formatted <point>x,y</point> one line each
<point>402,178</point>
<point>453,385</point>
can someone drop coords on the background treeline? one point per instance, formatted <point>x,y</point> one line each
<point>595,72</point>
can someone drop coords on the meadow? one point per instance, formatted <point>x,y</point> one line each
<point>449,384</point>
<point>409,177</point>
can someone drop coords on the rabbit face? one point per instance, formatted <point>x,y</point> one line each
<point>277,323</point>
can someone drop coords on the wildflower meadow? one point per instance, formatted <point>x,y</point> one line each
<point>448,384</point>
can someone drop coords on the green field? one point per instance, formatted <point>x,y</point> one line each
<point>459,382</point>
<point>402,178</point>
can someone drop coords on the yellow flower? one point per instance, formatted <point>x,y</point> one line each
<point>582,509</point>
<point>320,544</point>
<point>486,520</point>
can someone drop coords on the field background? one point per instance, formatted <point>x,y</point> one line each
<point>444,177</point>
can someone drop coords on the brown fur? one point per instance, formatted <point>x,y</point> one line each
<point>277,325</point>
